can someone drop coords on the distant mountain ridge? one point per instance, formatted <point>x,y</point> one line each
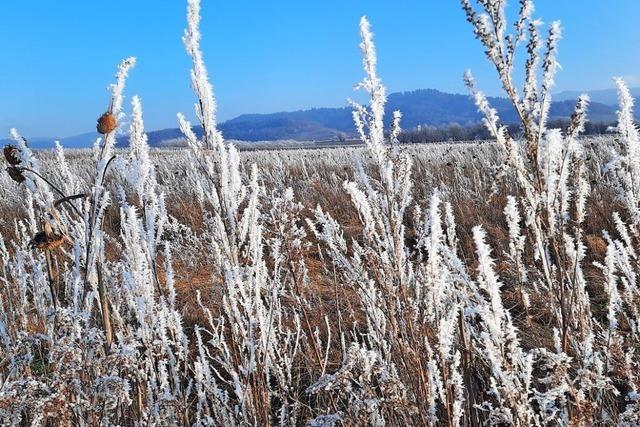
<point>602,96</point>
<point>423,107</point>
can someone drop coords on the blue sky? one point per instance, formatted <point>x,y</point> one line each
<point>266,56</point>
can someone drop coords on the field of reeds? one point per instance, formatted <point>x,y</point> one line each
<point>484,283</point>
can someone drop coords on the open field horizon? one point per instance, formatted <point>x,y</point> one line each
<point>444,115</point>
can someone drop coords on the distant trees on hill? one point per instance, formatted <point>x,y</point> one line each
<point>457,132</point>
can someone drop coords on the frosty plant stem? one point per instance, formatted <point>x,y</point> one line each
<point>64,199</point>
<point>100,198</point>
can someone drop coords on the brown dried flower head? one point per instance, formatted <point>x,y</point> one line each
<point>107,123</point>
<point>12,154</point>
<point>46,239</point>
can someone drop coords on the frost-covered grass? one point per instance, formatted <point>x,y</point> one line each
<point>470,284</point>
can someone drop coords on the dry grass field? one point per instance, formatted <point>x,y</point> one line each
<point>480,283</point>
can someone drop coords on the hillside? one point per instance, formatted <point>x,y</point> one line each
<point>420,107</point>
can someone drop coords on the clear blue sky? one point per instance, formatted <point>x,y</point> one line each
<point>266,56</point>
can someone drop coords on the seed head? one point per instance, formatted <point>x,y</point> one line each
<point>107,123</point>
<point>42,241</point>
<point>12,154</point>
<point>46,239</point>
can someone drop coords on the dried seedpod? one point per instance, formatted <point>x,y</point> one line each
<point>107,123</point>
<point>16,174</point>
<point>47,239</point>
<point>12,154</point>
<point>43,242</point>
